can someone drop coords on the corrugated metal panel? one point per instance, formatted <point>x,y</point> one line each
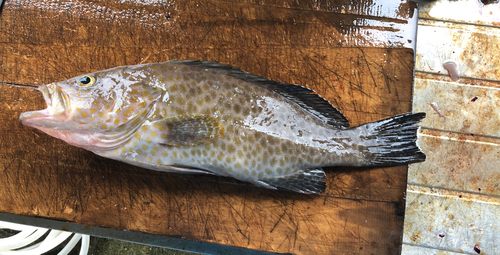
<point>418,250</point>
<point>453,199</point>
<point>466,11</point>
<point>475,48</point>
<point>464,108</point>
<point>458,162</point>
<point>449,220</point>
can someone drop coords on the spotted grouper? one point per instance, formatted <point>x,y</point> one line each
<point>208,118</point>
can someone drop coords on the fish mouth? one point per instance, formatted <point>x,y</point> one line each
<point>53,115</point>
<point>46,95</point>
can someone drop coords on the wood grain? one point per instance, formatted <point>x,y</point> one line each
<point>362,210</point>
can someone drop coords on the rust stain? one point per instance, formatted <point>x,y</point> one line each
<point>415,238</point>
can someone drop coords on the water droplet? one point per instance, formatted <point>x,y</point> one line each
<point>239,91</point>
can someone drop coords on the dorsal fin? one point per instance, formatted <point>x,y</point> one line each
<point>304,97</point>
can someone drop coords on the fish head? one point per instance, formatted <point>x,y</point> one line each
<point>95,111</point>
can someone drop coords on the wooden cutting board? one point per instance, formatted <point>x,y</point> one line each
<point>359,57</point>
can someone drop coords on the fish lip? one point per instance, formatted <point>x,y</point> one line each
<point>29,118</point>
<point>55,98</point>
<point>46,95</point>
<point>51,94</point>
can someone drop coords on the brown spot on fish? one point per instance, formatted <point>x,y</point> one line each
<point>181,101</point>
<point>173,88</point>
<point>231,148</point>
<point>182,88</point>
<point>237,108</point>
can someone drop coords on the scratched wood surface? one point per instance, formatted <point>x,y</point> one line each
<point>327,46</point>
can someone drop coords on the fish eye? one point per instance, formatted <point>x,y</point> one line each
<point>86,81</point>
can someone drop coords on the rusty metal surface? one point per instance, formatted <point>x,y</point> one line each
<point>474,48</point>
<point>453,198</point>
<point>458,162</point>
<point>448,220</point>
<point>408,249</point>
<point>464,108</point>
<point>469,11</point>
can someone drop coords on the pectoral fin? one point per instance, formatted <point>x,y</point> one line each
<point>185,130</point>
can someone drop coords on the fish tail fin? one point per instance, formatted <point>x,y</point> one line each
<point>393,141</point>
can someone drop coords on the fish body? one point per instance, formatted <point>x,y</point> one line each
<point>204,117</point>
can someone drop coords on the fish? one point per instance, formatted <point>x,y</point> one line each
<point>203,117</point>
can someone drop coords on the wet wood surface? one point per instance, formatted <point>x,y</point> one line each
<point>324,46</point>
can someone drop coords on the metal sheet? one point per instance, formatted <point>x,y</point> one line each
<point>470,11</point>
<point>464,108</point>
<point>453,198</point>
<point>458,162</point>
<point>476,49</point>
<point>448,220</point>
<point>418,250</point>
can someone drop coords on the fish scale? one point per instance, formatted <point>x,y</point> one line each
<point>204,117</point>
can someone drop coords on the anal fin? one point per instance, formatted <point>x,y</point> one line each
<point>186,170</point>
<point>309,181</point>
